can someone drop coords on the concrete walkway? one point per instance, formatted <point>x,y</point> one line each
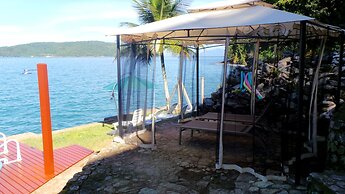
<point>170,168</point>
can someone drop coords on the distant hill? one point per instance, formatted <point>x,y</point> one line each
<point>63,49</point>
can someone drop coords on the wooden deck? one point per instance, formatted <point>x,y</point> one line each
<point>28,175</point>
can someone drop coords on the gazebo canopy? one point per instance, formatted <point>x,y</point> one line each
<point>228,4</point>
<point>247,22</point>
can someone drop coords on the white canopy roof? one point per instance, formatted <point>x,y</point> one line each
<point>213,26</point>
<point>228,4</point>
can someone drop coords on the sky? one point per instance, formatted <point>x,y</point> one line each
<point>26,21</point>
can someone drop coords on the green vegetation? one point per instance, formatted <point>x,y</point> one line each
<point>329,11</point>
<point>63,49</point>
<point>92,136</point>
<point>239,53</point>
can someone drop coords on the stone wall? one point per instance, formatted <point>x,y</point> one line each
<point>336,141</point>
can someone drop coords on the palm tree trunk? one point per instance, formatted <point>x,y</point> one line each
<point>164,75</point>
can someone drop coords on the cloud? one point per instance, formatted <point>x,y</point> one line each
<point>9,29</point>
<point>113,15</point>
<point>94,11</point>
<point>10,39</point>
<point>71,21</point>
<point>65,21</point>
<point>36,35</point>
<point>99,29</point>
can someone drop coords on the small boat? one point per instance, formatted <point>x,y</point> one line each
<point>26,71</point>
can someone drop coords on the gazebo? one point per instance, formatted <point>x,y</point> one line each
<point>226,23</point>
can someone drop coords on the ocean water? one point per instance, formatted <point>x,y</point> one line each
<point>77,94</point>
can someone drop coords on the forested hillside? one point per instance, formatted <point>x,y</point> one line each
<point>63,49</point>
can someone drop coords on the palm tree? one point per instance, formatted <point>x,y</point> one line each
<point>155,10</point>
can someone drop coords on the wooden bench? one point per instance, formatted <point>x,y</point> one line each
<point>209,126</point>
<point>228,117</point>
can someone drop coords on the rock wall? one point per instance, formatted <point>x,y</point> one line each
<point>336,141</point>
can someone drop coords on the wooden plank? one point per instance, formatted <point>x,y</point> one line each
<point>213,126</point>
<point>60,160</point>
<point>17,180</point>
<point>69,155</point>
<point>209,126</point>
<point>14,182</point>
<point>33,163</point>
<point>228,117</point>
<point>81,151</point>
<point>17,169</point>
<point>28,175</point>
<point>72,153</point>
<point>27,159</point>
<point>26,167</point>
<point>66,157</point>
<point>37,156</point>
<point>34,169</point>
<point>3,189</point>
<point>25,178</point>
<point>6,183</point>
<point>75,151</point>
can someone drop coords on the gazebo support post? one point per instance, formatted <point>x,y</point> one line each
<point>254,76</point>
<point>253,92</point>
<point>180,90</point>
<point>146,83</point>
<point>202,89</point>
<point>153,129</point>
<point>197,80</point>
<point>130,78</point>
<point>302,45</point>
<point>225,68</point>
<point>119,86</point>
<point>340,67</point>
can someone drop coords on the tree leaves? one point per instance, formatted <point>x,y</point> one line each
<point>326,11</point>
<point>155,10</point>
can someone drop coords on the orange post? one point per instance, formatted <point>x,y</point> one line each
<point>45,119</point>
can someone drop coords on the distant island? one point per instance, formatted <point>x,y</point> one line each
<point>60,49</point>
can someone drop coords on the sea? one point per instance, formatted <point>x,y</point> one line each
<point>76,86</point>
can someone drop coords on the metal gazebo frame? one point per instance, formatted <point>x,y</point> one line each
<point>249,22</point>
